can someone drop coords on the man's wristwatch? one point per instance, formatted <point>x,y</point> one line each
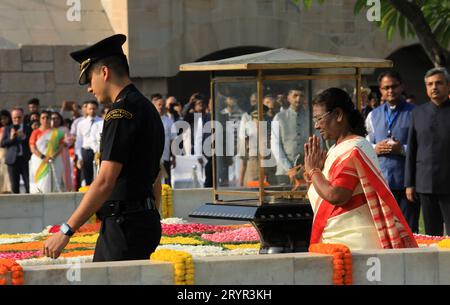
<point>66,229</point>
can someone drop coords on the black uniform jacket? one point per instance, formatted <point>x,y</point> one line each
<point>133,135</point>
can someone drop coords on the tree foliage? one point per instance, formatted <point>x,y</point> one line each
<point>428,20</point>
<point>436,13</point>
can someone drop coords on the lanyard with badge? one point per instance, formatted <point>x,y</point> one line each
<point>390,119</point>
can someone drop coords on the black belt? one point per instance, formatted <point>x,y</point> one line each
<point>119,208</point>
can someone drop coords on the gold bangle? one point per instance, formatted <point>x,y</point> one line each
<point>313,171</point>
<point>306,177</point>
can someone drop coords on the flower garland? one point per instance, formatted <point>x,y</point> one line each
<point>78,253</point>
<point>209,250</point>
<point>50,261</point>
<point>180,240</point>
<point>21,238</point>
<point>173,221</point>
<point>444,244</point>
<point>183,265</point>
<point>245,234</point>
<point>166,201</point>
<point>83,189</point>
<point>342,261</point>
<point>428,240</point>
<point>85,239</point>
<point>195,251</point>
<point>20,255</point>
<point>15,236</point>
<point>10,266</point>
<point>191,228</point>
<point>242,246</point>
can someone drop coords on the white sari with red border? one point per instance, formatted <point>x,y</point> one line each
<point>371,219</point>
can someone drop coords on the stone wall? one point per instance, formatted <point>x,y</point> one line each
<point>425,266</point>
<point>166,33</point>
<point>162,34</point>
<point>32,213</point>
<point>45,72</point>
<point>51,22</point>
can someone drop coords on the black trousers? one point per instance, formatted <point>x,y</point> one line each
<point>436,213</point>
<point>130,237</point>
<point>208,173</point>
<point>167,168</point>
<point>19,168</point>
<point>410,210</point>
<point>88,167</point>
<point>77,176</point>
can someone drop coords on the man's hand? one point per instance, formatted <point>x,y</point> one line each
<point>80,164</point>
<point>383,147</point>
<point>55,244</point>
<point>173,161</point>
<point>13,134</point>
<point>410,194</point>
<point>396,147</point>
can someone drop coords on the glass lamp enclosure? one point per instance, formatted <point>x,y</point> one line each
<point>261,123</point>
<point>262,114</point>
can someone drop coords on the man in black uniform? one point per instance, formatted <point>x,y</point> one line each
<point>131,147</point>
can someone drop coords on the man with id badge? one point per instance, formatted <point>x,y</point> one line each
<point>387,127</point>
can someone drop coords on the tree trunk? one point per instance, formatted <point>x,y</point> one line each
<point>437,54</point>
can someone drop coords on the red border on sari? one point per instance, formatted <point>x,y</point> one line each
<point>390,237</point>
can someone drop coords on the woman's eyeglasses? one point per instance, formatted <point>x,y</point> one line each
<point>319,119</point>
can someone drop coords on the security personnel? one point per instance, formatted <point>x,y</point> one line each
<point>131,147</point>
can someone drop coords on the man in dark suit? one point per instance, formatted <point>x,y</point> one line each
<point>428,156</point>
<point>15,139</point>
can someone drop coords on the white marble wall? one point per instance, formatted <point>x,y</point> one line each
<point>396,267</point>
<point>32,213</point>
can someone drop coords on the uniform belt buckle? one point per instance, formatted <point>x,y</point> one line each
<point>149,203</point>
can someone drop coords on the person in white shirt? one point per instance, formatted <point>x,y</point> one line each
<point>75,122</point>
<point>73,132</point>
<point>169,160</point>
<point>289,132</point>
<point>87,142</point>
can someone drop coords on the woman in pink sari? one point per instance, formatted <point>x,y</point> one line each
<point>351,201</point>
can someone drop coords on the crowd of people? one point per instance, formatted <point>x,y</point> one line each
<point>50,153</point>
<point>408,139</point>
<point>47,152</point>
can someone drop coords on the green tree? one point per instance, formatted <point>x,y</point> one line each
<point>428,20</point>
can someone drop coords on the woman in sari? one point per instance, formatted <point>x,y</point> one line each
<point>46,165</point>
<point>65,177</point>
<point>351,201</point>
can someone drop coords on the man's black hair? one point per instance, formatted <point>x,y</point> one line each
<point>296,88</point>
<point>118,64</point>
<point>33,101</point>
<point>93,102</point>
<point>156,96</point>
<point>390,73</point>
